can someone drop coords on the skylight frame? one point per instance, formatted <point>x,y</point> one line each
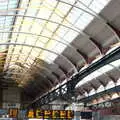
<point>23,11</point>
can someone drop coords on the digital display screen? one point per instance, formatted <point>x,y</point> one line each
<point>50,114</point>
<point>13,112</point>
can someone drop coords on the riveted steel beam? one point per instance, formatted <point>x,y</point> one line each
<point>70,85</point>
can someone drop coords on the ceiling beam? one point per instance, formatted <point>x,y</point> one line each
<point>70,85</point>
<point>108,91</point>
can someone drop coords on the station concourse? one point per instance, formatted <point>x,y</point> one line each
<point>60,59</point>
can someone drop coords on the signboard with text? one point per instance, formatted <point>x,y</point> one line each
<point>50,114</point>
<point>13,112</point>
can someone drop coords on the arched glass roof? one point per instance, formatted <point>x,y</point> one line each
<point>31,29</point>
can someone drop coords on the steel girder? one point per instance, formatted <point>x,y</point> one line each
<point>89,98</point>
<point>107,104</point>
<point>69,87</point>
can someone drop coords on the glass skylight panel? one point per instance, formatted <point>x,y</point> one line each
<point>52,10</point>
<point>9,19</point>
<point>47,56</point>
<point>116,63</point>
<point>96,6</point>
<point>51,3</point>
<point>46,32</point>
<point>64,8</point>
<point>18,21</point>
<point>22,58</point>
<point>36,50</point>
<point>59,47</point>
<point>34,4</point>
<point>12,6</point>
<point>82,6</point>
<point>30,41</point>
<point>74,15</point>
<point>5,21</point>
<point>89,78</point>
<point>27,22</point>
<point>21,38</point>
<point>5,37</point>
<point>95,74</point>
<point>31,12</point>
<point>2,18</point>
<point>100,89</point>
<point>61,31</point>
<point>34,27</point>
<point>83,21</point>
<point>56,17</point>
<point>39,43</point>
<point>70,36</point>
<point>92,92</point>
<point>114,96</point>
<point>24,55</point>
<point>2,48</point>
<point>2,7</point>
<point>43,39</point>
<point>17,49</point>
<point>110,84</point>
<point>13,2</point>
<point>118,81</point>
<point>14,58</point>
<point>28,62</point>
<point>13,39</point>
<point>34,53</point>
<point>44,13</point>
<point>86,2</point>
<point>69,1</point>
<point>105,69</point>
<point>51,26</point>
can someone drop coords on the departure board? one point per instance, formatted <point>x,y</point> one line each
<point>50,114</point>
<point>13,112</point>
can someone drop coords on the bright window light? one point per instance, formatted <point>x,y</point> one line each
<point>116,63</point>
<point>53,19</point>
<point>55,12</point>
<point>111,84</point>
<point>100,89</point>
<point>95,74</point>
<point>115,95</point>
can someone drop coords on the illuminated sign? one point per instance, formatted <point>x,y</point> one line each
<point>13,112</point>
<point>47,114</point>
<point>55,114</point>
<point>39,114</point>
<point>50,114</point>
<point>30,114</point>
